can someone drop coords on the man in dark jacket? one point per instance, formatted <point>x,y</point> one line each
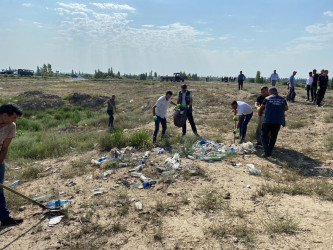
<point>274,106</point>
<point>314,84</point>
<point>322,85</point>
<point>185,99</point>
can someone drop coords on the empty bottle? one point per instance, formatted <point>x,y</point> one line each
<point>135,184</point>
<point>136,174</point>
<point>191,157</point>
<point>56,204</point>
<point>123,164</point>
<point>252,169</point>
<point>148,184</point>
<point>15,183</point>
<point>212,159</point>
<point>144,178</point>
<point>44,198</point>
<point>138,168</point>
<point>146,155</point>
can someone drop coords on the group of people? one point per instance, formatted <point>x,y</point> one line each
<point>316,86</point>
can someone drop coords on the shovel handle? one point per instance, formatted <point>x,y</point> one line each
<point>23,196</point>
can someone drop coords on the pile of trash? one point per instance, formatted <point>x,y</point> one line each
<point>211,151</point>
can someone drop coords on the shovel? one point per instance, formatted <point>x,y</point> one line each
<point>29,199</point>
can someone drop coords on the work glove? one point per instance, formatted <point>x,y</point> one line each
<point>235,118</point>
<point>318,88</point>
<point>235,131</point>
<point>155,118</point>
<point>178,106</point>
<point>188,106</point>
<point>258,108</point>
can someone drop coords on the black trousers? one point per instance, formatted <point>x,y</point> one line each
<point>157,127</point>
<point>309,90</point>
<point>111,118</point>
<point>320,95</point>
<point>191,120</point>
<point>269,135</point>
<point>314,91</point>
<point>240,85</point>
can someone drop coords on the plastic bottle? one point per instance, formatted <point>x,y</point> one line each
<point>144,178</point>
<point>138,168</point>
<point>123,164</point>
<point>148,184</point>
<point>191,157</point>
<point>135,184</point>
<point>55,204</point>
<point>146,155</point>
<point>212,159</point>
<point>176,157</point>
<point>15,183</point>
<point>167,173</point>
<point>44,198</point>
<point>136,174</point>
<point>252,169</point>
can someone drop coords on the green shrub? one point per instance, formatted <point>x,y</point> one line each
<point>140,139</point>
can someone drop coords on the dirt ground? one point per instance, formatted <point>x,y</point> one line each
<point>171,217</point>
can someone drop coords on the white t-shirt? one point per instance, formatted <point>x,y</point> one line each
<point>7,131</point>
<point>309,81</point>
<point>162,105</point>
<point>243,108</point>
<point>274,77</point>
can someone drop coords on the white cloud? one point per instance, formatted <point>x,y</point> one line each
<point>113,6</point>
<point>223,38</point>
<point>320,28</point>
<point>147,26</point>
<point>75,6</point>
<point>26,4</point>
<point>20,19</point>
<point>37,24</point>
<point>328,13</point>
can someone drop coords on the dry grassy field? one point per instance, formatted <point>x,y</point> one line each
<point>287,206</point>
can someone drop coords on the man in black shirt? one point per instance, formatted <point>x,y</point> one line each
<point>322,86</point>
<point>260,99</point>
<point>314,84</point>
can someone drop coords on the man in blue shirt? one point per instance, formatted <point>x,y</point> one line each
<point>241,79</point>
<point>292,94</point>
<point>274,106</point>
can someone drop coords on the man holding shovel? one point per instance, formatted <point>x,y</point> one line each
<point>8,115</point>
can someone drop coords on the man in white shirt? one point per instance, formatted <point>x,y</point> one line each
<point>274,78</point>
<point>309,88</point>
<point>245,113</point>
<point>160,113</point>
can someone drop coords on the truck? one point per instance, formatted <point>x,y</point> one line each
<point>25,72</point>
<point>175,78</point>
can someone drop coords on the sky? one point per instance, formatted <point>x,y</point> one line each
<point>207,37</point>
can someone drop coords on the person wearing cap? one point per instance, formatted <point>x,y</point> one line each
<point>315,77</point>
<point>245,113</point>
<point>185,99</point>
<point>260,99</point>
<point>275,107</point>
<point>274,78</point>
<point>322,86</point>
<point>308,87</point>
<point>160,113</point>
<point>292,93</point>
<point>241,79</point>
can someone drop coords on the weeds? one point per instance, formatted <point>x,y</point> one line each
<point>279,224</point>
<point>211,200</point>
<point>31,173</point>
<point>297,124</point>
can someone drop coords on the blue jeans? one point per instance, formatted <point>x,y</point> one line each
<point>243,125</point>
<point>157,127</point>
<point>4,212</point>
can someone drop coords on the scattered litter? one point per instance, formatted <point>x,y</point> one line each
<point>61,193</point>
<point>22,208</point>
<point>58,204</point>
<point>147,153</point>
<point>211,151</point>
<point>227,196</point>
<point>174,162</point>
<point>252,169</point>
<point>148,184</point>
<point>70,184</point>
<point>131,100</point>
<point>99,161</point>
<point>236,164</point>
<point>138,205</point>
<point>123,164</point>
<point>136,174</point>
<point>15,183</point>
<point>235,239</point>
<point>98,191</point>
<point>55,220</point>
<point>319,176</point>
<point>17,168</point>
<point>248,186</point>
<point>158,150</point>
<point>106,173</point>
<point>135,184</point>
<point>138,168</point>
<point>47,169</point>
<point>44,198</point>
